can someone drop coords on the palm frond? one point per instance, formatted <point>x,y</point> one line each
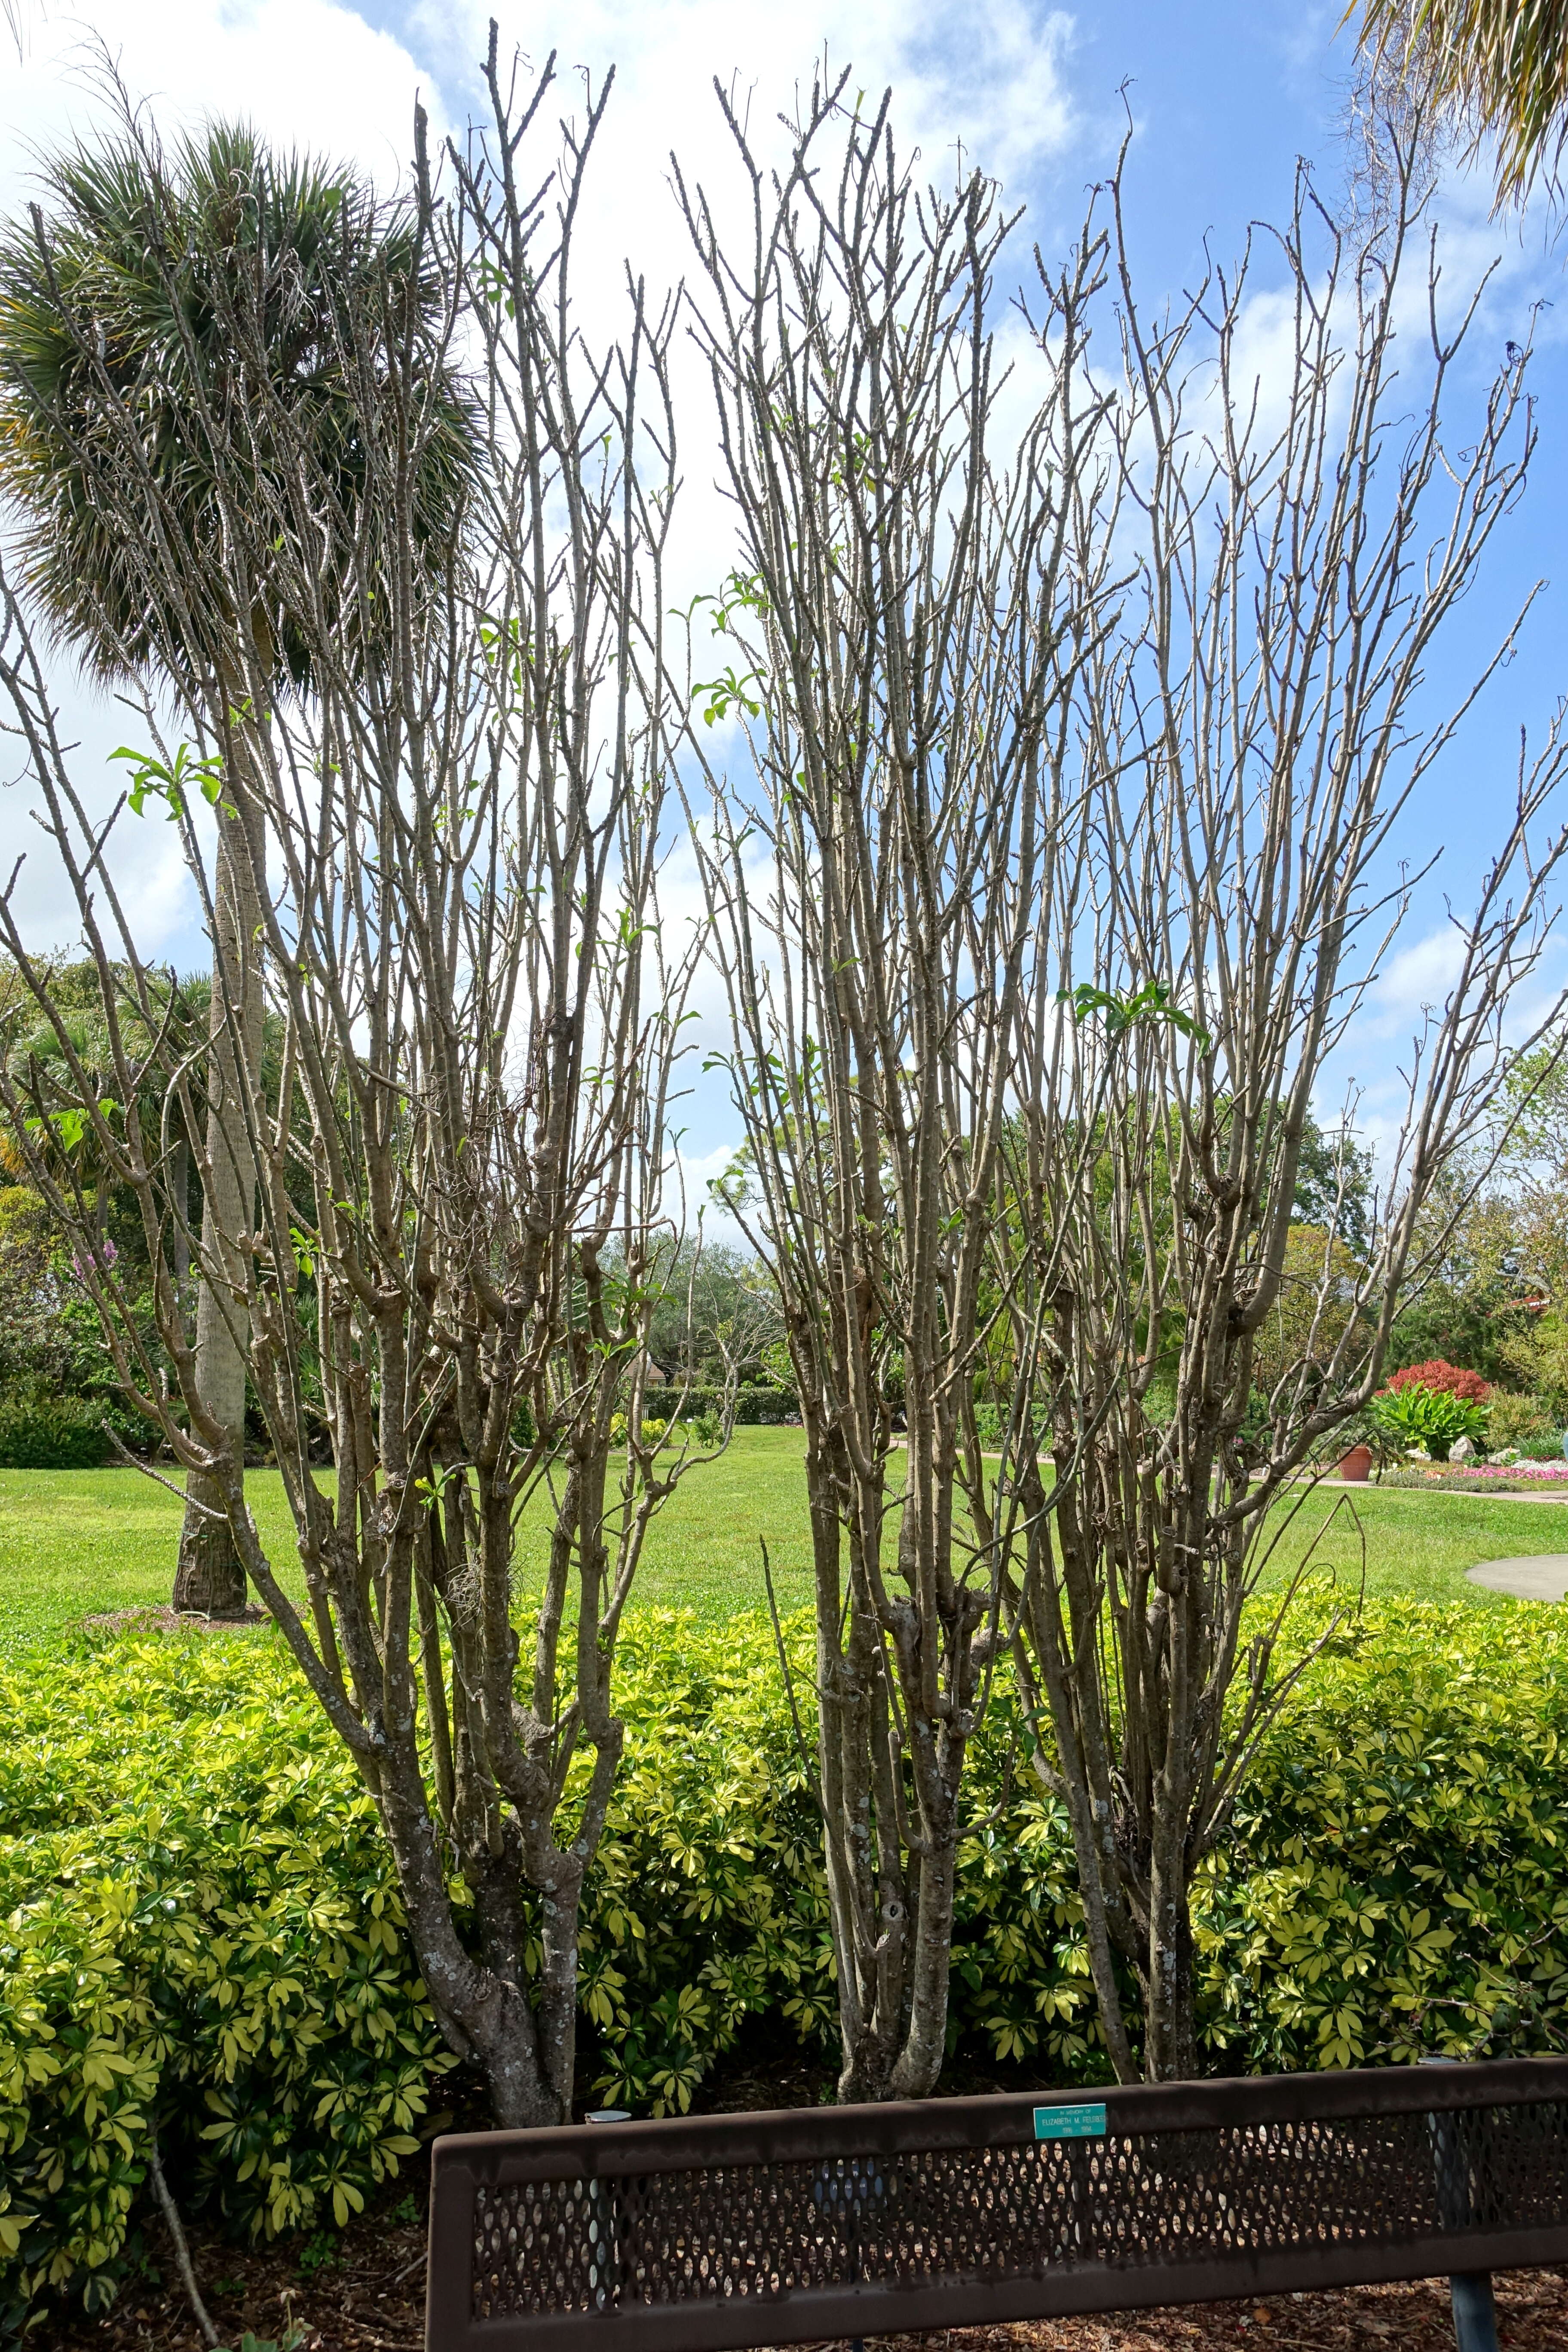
<point>1498,66</point>
<point>121,370</point>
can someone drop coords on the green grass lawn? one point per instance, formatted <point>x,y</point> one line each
<point>1414,1543</point>
<point>79,1542</point>
<point>74,1543</point>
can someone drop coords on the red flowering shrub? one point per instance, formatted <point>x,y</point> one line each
<point>1448,1378</point>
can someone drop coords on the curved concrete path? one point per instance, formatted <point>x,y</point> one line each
<point>1534,1575</point>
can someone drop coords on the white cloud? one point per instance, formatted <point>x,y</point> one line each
<point>1420,976</point>
<point>693,1177</point>
<point>990,79</point>
<point>305,71</point>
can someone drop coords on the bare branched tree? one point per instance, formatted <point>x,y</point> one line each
<point>909,613</point>
<point>462,1166</point>
<point>1253,746</point>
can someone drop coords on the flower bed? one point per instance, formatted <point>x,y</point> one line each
<point>1483,1477</point>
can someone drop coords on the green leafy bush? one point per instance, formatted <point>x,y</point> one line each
<point>706,1904</point>
<point>1524,1425</point>
<point>1433,1418</point>
<point>45,1433</point>
<point>684,1404</point>
<point>200,1925</point>
<point>52,1348</point>
<point>702,1429</point>
<point>992,1420</point>
<point>764,1408</point>
<point>200,1928</point>
<point>701,1411</point>
<point>1394,1884</point>
<point>758,1404</point>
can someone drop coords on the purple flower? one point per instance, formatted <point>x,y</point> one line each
<point>103,1256</point>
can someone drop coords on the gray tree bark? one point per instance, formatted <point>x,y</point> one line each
<point>209,1579</point>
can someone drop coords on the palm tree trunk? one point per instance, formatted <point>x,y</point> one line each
<point>210,1576</point>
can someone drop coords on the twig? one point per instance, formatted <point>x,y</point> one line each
<point>171,2212</point>
<point>801,1748</point>
<point>134,1462</point>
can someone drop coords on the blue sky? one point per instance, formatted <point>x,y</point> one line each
<point>1223,97</point>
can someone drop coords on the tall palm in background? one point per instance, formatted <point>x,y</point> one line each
<point>138,308</point>
<point>1497,68</point>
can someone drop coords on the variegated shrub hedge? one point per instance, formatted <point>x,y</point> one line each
<point>199,1930</point>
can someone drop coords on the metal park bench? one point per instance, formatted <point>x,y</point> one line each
<point>741,2231</point>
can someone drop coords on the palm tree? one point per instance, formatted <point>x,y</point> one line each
<point>1498,67</point>
<point>121,371</point>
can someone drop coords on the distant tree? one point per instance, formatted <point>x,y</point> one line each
<point>1334,1185</point>
<point>32,1248</point>
<point>1496,1297</point>
<point>53,1056</point>
<point>1320,1292</point>
<point>1482,1327</point>
<point>1532,1126</point>
<point>717,1311</point>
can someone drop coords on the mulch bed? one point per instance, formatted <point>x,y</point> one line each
<point>148,1618</point>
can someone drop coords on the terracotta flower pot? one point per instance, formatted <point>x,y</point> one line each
<point>1356,1464</point>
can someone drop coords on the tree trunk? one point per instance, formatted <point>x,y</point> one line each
<point>525,2055</point>
<point>1170,2040</point>
<point>919,2067</point>
<point>892,1850</point>
<point>210,1578</point>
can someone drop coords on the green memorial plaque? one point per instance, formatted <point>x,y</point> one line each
<point>1070,2123</point>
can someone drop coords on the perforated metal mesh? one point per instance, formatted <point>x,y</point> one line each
<point>1136,2200</point>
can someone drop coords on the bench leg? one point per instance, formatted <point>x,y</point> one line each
<point>1475,2313</point>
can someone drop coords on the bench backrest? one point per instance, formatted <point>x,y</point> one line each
<point>709,2232</point>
